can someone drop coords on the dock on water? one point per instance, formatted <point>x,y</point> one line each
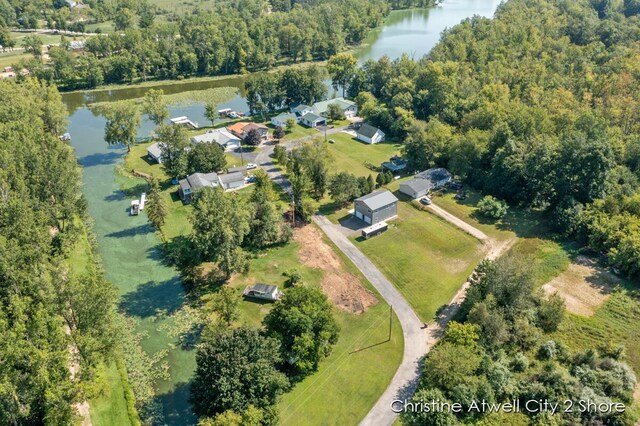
<point>184,121</point>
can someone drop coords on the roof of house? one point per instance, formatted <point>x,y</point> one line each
<point>198,181</point>
<point>394,166</point>
<point>284,116</point>
<point>237,127</point>
<point>155,149</point>
<point>321,107</point>
<point>255,126</point>
<point>368,130</point>
<point>434,175</point>
<point>231,177</point>
<point>264,288</point>
<point>312,118</point>
<point>378,199</point>
<point>221,136</point>
<point>418,185</point>
<point>300,108</point>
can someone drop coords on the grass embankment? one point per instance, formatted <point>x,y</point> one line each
<point>349,382</point>
<point>426,258</point>
<point>108,405</point>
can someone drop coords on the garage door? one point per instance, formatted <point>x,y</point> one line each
<point>359,215</point>
<point>367,219</point>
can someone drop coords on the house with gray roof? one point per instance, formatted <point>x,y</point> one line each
<point>369,134</point>
<point>300,109</point>
<point>194,183</point>
<point>154,152</point>
<point>227,140</point>
<point>349,108</point>
<point>231,180</point>
<point>280,120</point>
<point>422,183</point>
<point>376,207</point>
<point>263,291</point>
<point>311,119</point>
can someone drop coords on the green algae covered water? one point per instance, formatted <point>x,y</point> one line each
<point>128,245</point>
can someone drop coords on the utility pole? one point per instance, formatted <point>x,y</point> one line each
<point>293,210</point>
<point>241,154</point>
<point>390,321</point>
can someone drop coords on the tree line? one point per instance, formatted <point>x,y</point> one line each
<point>538,107</point>
<point>233,37</point>
<point>45,308</point>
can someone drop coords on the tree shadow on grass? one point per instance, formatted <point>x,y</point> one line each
<point>152,298</point>
<point>176,407</point>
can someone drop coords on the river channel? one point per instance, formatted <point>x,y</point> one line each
<point>128,245</point>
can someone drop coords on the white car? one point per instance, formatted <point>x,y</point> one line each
<point>425,200</point>
<point>251,166</point>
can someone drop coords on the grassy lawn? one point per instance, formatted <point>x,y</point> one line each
<point>110,407</point>
<point>425,257</point>
<point>351,155</point>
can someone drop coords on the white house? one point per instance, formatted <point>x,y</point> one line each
<point>301,109</point>
<point>263,291</point>
<point>422,183</point>
<point>349,108</point>
<point>154,151</point>
<point>369,134</point>
<point>313,120</point>
<point>227,140</point>
<point>194,183</point>
<point>280,120</point>
<point>231,180</point>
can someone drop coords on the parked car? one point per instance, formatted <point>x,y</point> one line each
<point>425,200</point>
<point>461,195</point>
<point>455,185</point>
<point>250,179</point>
<point>332,141</point>
<point>251,166</point>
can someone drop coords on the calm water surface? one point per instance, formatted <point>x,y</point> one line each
<point>130,249</point>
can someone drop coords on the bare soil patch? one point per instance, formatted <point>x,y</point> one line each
<point>343,288</point>
<point>584,286</point>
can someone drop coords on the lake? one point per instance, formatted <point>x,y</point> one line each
<point>129,247</point>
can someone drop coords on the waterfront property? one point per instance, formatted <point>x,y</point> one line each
<point>280,120</point>
<point>227,140</point>
<point>154,152</point>
<point>349,108</point>
<point>422,183</point>
<point>369,134</point>
<point>300,109</point>
<point>376,207</point>
<point>242,128</point>
<point>195,182</point>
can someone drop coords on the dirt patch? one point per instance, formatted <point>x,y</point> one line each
<point>636,394</point>
<point>584,286</point>
<point>343,288</point>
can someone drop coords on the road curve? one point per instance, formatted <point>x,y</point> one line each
<point>416,339</point>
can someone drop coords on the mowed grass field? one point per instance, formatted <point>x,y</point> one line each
<point>426,258</point>
<point>350,155</point>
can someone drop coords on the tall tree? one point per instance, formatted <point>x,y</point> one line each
<point>342,69</point>
<point>303,321</point>
<point>206,158</point>
<point>221,221</point>
<point>155,106</point>
<point>226,304</point>
<point>236,369</point>
<point>123,119</point>
<point>156,208</point>
<point>174,143</point>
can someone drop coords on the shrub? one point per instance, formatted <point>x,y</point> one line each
<point>492,207</point>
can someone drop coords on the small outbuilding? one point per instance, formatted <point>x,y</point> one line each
<point>154,152</point>
<point>422,183</point>
<point>369,134</point>
<point>376,207</point>
<point>263,291</point>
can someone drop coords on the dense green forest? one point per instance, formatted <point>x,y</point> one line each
<point>539,107</point>
<point>230,37</point>
<point>49,306</point>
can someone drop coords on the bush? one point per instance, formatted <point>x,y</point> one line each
<point>492,207</point>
